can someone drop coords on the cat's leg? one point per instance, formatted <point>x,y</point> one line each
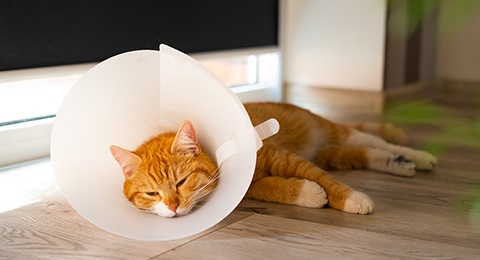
<point>293,191</point>
<point>387,132</point>
<point>282,163</point>
<point>421,159</point>
<point>349,158</point>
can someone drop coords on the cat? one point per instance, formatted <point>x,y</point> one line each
<point>169,174</point>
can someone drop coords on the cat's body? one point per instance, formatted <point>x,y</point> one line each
<point>290,166</point>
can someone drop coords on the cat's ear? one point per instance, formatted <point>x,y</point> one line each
<point>186,140</point>
<point>127,160</point>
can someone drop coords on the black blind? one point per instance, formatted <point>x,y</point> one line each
<point>59,32</point>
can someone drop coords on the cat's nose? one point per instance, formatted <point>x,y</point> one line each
<point>173,208</point>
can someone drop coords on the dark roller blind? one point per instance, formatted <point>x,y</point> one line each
<point>58,32</point>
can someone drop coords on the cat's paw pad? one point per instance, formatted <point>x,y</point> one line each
<point>402,166</point>
<point>424,160</point>
<point>358,202</point>
<point>311,195</point>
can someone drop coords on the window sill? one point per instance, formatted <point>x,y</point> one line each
<point>25,141</point>
<point>47,87</point>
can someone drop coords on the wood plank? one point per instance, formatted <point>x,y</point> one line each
<point>52,229</point>
<point>419,208</point>
<point>16,255</point>
<point>268,237</point>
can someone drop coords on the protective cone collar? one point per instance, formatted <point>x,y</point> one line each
<point>127,99</point>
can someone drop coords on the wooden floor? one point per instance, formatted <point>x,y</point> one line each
<point>435,215</point>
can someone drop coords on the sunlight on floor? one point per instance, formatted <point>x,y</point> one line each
<point>25,184</point>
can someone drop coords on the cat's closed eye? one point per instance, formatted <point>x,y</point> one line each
<point>181,182</point>
<point>152,193</point>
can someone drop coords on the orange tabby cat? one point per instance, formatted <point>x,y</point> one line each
<point>169,174</point>
<point>290,165</point>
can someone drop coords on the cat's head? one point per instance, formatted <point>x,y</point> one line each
<point>169,174</point>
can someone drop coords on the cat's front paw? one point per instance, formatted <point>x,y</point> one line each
<point>400,165</point>
<point>311,195</point>
<point>424,160</point>
<point>358,202</point>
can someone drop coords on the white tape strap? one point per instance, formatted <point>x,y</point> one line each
<point>226,150</point>
<point>265,130</point>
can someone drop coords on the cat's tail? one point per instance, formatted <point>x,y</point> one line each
<point>387,132</point>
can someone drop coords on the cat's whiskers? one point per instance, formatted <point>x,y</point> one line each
<point>200,194</point>
<point>212,178</point>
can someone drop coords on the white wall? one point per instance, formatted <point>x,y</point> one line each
<point>335,44</point>
<point>458,50</point>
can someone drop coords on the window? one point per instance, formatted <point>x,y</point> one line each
<point>237,40</point>
<point>29,99</point>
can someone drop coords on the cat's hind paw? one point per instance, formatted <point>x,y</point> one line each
<point>423,160</point>
<point>358,202</point>
<point>311,195</point>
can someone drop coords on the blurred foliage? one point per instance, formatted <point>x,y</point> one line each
<point>454,129</point>
<point>457,13</point>
<point>469,203</point>
<point>407,15</point>
<point>475,209</point>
